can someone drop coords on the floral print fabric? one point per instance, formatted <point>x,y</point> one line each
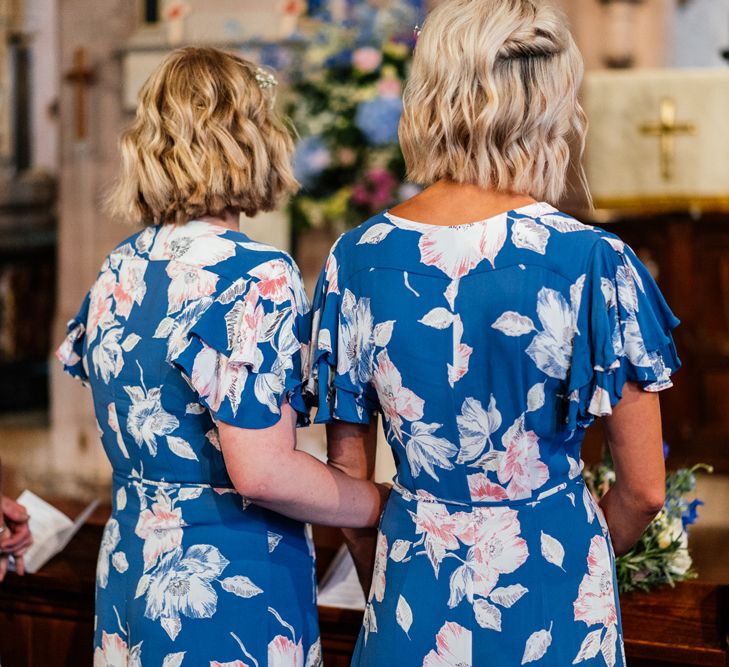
<point>488,348</point>
<point>184,326</point>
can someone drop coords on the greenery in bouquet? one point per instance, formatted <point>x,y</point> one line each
<point>661,556</point>
<point>346,106</point>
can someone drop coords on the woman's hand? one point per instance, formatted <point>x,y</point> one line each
<point>15,536</point>
<point>636,445</point>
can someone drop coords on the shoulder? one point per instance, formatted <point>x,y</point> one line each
<point>354,248</point>
<point>570,246</point>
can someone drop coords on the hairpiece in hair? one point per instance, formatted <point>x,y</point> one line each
<point>416,31</point>
<point>266,80</point>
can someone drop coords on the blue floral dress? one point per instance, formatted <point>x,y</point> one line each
<point>488,349</point>
<point>186,325</point>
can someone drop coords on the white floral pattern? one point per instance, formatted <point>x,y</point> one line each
<point>487,348</point>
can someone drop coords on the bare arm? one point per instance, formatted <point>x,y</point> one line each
<point>352,449</point>
<point>636,444</point>
<point>265,467</point>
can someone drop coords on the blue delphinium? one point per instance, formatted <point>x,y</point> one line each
<point>378,119</point>
<point>691,514</point>
<point>311,158</point>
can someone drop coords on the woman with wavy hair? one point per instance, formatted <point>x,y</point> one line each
<point>489,330</point>
<point>192,339</point>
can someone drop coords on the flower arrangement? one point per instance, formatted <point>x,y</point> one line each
<point>661,556</point>
<point>346,107</point>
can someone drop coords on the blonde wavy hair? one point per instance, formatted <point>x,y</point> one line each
<point>492,98</point>
<point>205,139</point>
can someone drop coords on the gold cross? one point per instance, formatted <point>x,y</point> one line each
<point>667,129</point>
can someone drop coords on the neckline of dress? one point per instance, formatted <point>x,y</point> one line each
<point>540,207</point>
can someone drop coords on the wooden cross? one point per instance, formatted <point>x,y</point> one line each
<point>82,76</point>
<point>667,129</point>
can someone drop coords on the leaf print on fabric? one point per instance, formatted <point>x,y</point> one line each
<point>176,329</point>
<point>379,581</point>
<point>399,550</point>
<point>397,402</point>
<point>331,271</point>
<point>453,647</point>
<point>119,561</point>
<point>564,224</point>
<point>475,428</point>
<point>404,615</point>
<point>426,451</point>
<point>273,540</point>
<point>113,651</point>
<point>369,621</point>
<point>181,586</point>
<point>552,550</point>
<point>513,324</point>
<point>595,603</point>
<point>522,470</point>
<point>189,493</point>
<point>487,616</point>
<point>121,499</point>
<point>508,595</point>
<point>109,542</point>
<point>590,646</point>
<point>242,586</point>
<point>529,235</point>
<point>609,645</point>
<point>535,397</point>
<point>188,283</point>
<point>537,645</point>
<point>130,342</point>
<point>383,333</point>
<point>173,659</point>
<point>375,234</point>
<point>181,448</point>
<point>282,652</point>
<point>438,318</point>
<point>461,353</point>
<point>161,529</point>
<point>113,421</point>
<point>147,419</point>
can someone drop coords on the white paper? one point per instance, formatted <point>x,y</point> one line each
<point>51,529</point>
<point>340,586</point>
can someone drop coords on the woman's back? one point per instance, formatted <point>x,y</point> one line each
<point>488,348</point>
<point>186,323</point>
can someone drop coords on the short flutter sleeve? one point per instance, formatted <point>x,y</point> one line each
<point>623,333</point>
<point>338,381</point>
<point>71,351</point>
<point>244,353</point>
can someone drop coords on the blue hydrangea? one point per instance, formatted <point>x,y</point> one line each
<point>311,158</point>
<point>378,119</point>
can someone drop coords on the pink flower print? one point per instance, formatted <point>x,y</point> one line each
<point>216,378</point>
<point>439,528</point>
<point>113,651</point>
<point>130,288</point>
<point>379,580</point>
<point>234,663</point>
<point>188,283</point>
<point>282,652</point>
<point>595,603</point>
<point>453,647</point>
<point>397,402</point>
<point>101,305</point>
<point>484,490</point>
<point>161,530</point>
<point>520,465</point>
<point>275,280</point>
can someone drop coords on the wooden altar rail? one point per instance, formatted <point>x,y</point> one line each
<point>47,618</point>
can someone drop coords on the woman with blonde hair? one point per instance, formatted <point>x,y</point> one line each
<point>490,330</point>
<point>192,339</point>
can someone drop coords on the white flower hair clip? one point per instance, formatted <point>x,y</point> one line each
<point>266,80</point>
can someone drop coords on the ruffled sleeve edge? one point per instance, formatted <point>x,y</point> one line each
<point>70,352</point>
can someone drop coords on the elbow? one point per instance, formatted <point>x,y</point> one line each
<point>256,485</point>
<point>651,502</point>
